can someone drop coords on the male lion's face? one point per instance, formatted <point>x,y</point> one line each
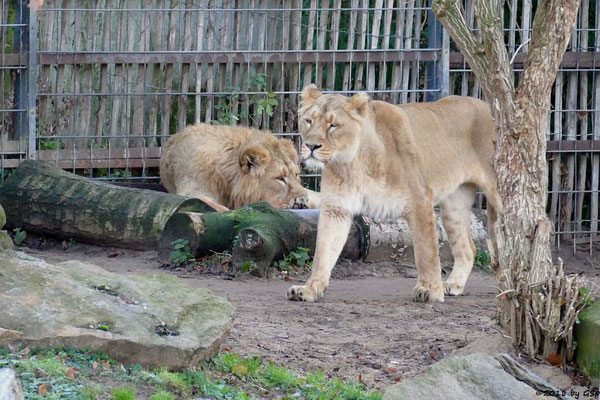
<point>330,125</point>
<point>270,173</point>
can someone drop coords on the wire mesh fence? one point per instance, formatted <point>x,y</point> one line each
<point>97,86</point>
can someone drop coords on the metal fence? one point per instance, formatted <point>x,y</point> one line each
<point>97,86</point>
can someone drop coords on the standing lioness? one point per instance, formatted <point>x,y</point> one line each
<point>382,161</point>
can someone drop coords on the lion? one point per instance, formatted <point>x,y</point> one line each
<point>230,166</point>
<point>386,161</point>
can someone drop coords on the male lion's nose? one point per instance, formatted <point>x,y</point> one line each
<point>313,147</point>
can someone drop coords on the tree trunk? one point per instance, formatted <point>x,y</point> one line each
<point>523,259</point>
<point>41,198</point>
<point>256,232</point>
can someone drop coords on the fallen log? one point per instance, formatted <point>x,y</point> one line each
<point>41,198</point>
<point>256,232</point>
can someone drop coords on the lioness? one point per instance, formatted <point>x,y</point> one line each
<point>382,161</point>
<point>229,166</point>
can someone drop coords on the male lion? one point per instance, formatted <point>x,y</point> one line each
<point>232,166</point>
<point>382,161</point>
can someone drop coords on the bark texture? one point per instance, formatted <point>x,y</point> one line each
<point>41,198</point>
<point>523,258</point>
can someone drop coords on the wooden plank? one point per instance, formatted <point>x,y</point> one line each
<point>408,34</point>
<point>334,37</point>
<point>555,160</point>
<point>375,27</point>
<point>362,43</point>
<point>347,81</point>
<point>398,44</point>
<point>321,37</point>
<point>387,28</point>
<point>199,46</point>
<point>310,34</point>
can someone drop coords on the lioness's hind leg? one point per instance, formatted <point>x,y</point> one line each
<point>456,218</point>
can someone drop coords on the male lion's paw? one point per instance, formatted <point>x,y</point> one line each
<point>309,292</point>
<point>453,288</point>
<point>423,294</point>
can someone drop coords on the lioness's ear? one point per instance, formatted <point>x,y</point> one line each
<point>290,149</point>
<point>358,103</point>
<point>309,95</point>
<point>254,159</point>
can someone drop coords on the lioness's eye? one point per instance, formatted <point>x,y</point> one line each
<point>281,178</point>
<point>308,121</point>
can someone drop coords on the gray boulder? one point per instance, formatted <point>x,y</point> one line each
<point>10,387</point>
<point>151,319</point>
<point>474,376</point>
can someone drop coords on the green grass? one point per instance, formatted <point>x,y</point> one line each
<point>87,374</point>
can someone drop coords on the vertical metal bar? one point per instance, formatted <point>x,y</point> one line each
<point>434,41</point>
<point>32,83</point>
<point>444,74</point>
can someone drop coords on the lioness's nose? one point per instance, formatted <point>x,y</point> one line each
<point>313,147</point>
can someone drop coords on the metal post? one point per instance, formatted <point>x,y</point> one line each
<point>32,84</point>
<point>434,68</point>
<point>444,73</point>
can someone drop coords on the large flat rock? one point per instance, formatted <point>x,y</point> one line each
<point>466,377</point>
<point>587,336</point>
<point>150,319</point>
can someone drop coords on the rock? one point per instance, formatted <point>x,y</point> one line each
<point>10,387</point>
<point>474,376</point>
<point>150,319</point>
<point>587,336</point>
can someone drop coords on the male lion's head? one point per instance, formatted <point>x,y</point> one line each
<point>330,125</point>
<point>269,172</point>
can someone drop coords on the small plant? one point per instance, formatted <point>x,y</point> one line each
<point>126,393</point>
<point>162,395</point>
<point>181,252</point>
<point>104,326</point>
<point>51,145</point>
<point>248,266</point>
<point>19,236</point>
<point>483,260</point>
<point>298,258</point>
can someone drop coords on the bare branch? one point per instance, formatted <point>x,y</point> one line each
<point>501,80</point>
<point>546,52</point>
<point>451,16</point>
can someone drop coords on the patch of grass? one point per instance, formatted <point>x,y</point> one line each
<point>483,260</point>
<point>125,393</point>
<point>162,395</point>
<point>226,376</point>
<point>298,258</point>
<point>181,252</point>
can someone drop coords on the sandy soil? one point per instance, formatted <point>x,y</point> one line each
<point>366,328</point>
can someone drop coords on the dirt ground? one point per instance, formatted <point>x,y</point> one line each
<point>366,328</point>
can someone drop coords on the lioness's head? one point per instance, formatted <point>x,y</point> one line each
<point>269,172</point>
<point>330,126</point>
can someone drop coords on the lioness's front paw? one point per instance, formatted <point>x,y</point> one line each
<point>453,288</point>
<point>423,294</point>
<point>309,292</point>
<point>299,202</point>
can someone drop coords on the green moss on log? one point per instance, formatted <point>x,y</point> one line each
<point>587,336</point>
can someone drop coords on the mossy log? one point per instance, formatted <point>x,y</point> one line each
<point>41,198</point>
<point>256,232</point>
